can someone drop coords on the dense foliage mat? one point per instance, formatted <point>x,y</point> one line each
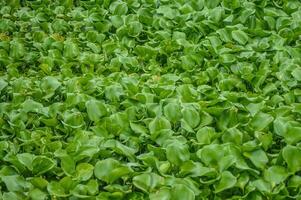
<point>150,99</point>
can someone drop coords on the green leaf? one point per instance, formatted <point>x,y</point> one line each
<point>280,126</point>
<point>297,73</point>
<point>212,4</point>
<point>71,50</point>
<point>12,195</point>
<point>292,157</point>
<point>56,189</point>
<point>92,187</point>
<point>42,164</point>
<point>147,182</point>
<point>37,194</point>
<point>261,121</point>
<point>162,194</point>
<point>206,119</point>
<point>228,180</point>
<point>243,180</point>
<point>159,123</point>
<point>39,182</point>
<point>181,191</point>
<point>216,14</point>
<point>211,154</point>
<point>26,159</point>
<point>3,84</point>
<point>240,36</point>
<point>109,170</point>
<point>233,135</point>
<point>14,183</point>
<point>254,108</point>
<point>95,110</point>
<point>119,8</point>
<point>134,29</point>
<point>172,111</point>
<point>114,92</point>
<point>226,59</point>
<point>68,164</point>
<point>226,162</point>
<point>294,181</point>
<point>261,185</point>
<point>205,135</point>
<point>32,106</point>
<point>17,49</point>
<point>73,119</point>
<point>177,153</point>
<point>137,128</point>
<point>293,135</point>
<point>167,11</point>
<point>233,4</point>
<point>117,21</point>
<point>258,158</point>
<point>191,117</point>
<point>275,174</point>
<point>49,84</point>
<point>84,171</point>
<point>194,169</point>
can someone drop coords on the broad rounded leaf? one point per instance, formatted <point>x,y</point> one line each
<point>103,168</point>
<point>68,164</point>
<point>109,170</point>
<point>297,73</point>
<point>134,28</point>
<point>212,4</point>
<point>14,183</point>
<point>3,84</point>
<point>162,194</point>
<point>261,185</point>
<point>73,119</point>
<point>228,180</point>
<point>292,156</point>
<point>84,171</point>
<point>95,110</point>
<point>32,106</point>
<point>191,117</point>
<point>42,164</point>
<point>275,174</point>
<point>50,84</point>
<point>177,153</point>
<point>240,37</point>
<point>205,135</point>
<point>181,191</point>
<point>261,121</point>
<point>258,158</point>
<point>159,123</point>
<point>147,182</point>
<point>172,111</point>
<point>56,189</point>
<point>71,50</point>
<point>26,159</point>
<point>211,154</point>
<point>119,8</point>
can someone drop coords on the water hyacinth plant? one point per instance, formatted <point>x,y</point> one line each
<point>150,99</point>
